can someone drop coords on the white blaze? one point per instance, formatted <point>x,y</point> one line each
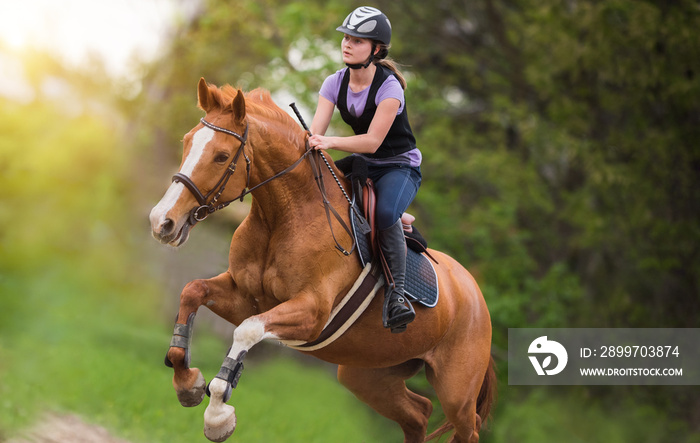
<point>172,195</point>
<point>199,142</point>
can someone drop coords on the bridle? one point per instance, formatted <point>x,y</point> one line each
<point>201,212</point>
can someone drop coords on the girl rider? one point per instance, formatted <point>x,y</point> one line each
<point>369,95</point>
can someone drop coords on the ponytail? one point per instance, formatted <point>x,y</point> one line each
<point>382,59</point>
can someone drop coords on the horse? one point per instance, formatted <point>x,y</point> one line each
<point>290,265</point>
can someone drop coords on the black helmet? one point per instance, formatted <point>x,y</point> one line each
<point>367,22</point>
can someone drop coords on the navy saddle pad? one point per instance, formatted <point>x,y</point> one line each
<point>421,279</point>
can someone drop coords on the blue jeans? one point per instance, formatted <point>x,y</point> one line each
<point>396,186</point>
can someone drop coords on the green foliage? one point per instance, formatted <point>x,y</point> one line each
<point>577,419</point>
<point>572,126</point>
<point>60,181</point>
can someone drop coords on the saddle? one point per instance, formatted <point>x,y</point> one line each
<point>355,167</point>
<point>421,278</point>
<point>368,202</point>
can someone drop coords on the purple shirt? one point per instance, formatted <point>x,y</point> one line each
<point>391,88</point>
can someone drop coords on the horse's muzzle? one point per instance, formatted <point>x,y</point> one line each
<point>167,232</point>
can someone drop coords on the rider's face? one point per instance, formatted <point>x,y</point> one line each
<point>355,49</point>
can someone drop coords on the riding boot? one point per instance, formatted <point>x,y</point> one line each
<point>398,311</point>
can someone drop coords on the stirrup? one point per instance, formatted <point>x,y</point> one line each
<point>398,322</point>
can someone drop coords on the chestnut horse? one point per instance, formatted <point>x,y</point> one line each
<point>286,273</point>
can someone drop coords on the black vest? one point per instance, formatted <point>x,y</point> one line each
<point>399,139</point>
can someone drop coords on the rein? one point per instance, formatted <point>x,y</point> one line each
<point>202,211</point>
<point>318,176</point>
<point>319,181</point>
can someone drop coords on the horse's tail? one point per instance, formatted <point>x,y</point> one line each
<point>484,402</point>
<point>487,394</point>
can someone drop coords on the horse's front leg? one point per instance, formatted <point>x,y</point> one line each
<point>301,318</point>
<point>188,382</point>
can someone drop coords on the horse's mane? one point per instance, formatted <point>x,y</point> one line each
<point>258,102</point>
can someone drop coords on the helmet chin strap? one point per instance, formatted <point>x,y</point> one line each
<point>365,64</point>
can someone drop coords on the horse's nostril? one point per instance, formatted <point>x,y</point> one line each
<point>167,226</point>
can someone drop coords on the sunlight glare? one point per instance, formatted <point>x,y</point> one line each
<point>116,30</point>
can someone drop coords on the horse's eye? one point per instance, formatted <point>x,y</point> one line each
<point>221,157</point>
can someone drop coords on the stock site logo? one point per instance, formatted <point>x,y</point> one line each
<point>543,346</point>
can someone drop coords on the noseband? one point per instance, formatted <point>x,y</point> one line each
<point>202,211</point>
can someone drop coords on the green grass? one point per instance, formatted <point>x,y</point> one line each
<point>71,344</point>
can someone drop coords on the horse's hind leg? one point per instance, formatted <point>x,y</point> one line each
<point>457,379</point>
<point>384,389</point>
<point>188,382</point>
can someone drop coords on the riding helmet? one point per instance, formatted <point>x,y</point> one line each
<point>367,22</point>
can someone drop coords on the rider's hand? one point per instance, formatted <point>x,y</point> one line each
<point>319,142</point>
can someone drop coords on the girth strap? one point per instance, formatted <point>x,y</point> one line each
<point>346,313</point>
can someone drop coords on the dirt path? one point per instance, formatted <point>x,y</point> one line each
<point>56,428</point>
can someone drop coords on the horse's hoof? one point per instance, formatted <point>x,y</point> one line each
<point>194,395</point>
<point>220,426</point>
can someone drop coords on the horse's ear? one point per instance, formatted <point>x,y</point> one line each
<point>238,106</point>
<point>204,95</point>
